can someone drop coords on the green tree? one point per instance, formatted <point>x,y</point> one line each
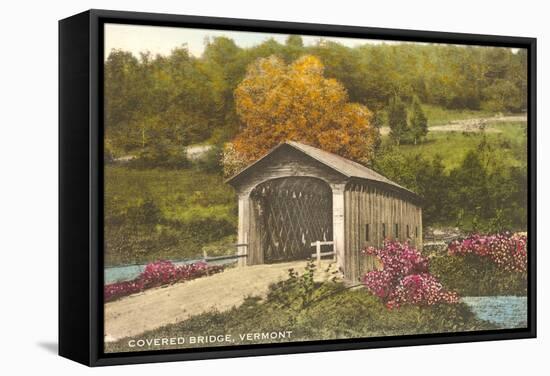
<point>225,65</point>
<point>502,96</point>
<point>397,119</point>
<point>418,122</point>
<point>294,48</point>
<point>423,176</point>
<point>469,187</point>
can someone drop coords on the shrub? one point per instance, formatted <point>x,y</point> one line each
<point>404,278</point>
<point>158,274</point>
<point>471,275</point>
<point>508,251</point>
<point>161,155</point>
<point>483,265</point>
<point>211,161</point>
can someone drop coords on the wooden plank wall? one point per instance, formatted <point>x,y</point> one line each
<point>375,206</point>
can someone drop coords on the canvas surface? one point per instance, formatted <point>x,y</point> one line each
<point>267,188</point>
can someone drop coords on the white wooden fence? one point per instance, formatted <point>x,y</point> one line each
<point>320,254</point>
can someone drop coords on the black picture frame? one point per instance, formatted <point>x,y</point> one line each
<point>81,185</point>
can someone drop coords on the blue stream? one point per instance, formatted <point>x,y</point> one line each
<point>504,311</point>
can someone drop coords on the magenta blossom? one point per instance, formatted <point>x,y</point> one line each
<point>404,277</point>
<point>156,274</point>
<point>508,251</point>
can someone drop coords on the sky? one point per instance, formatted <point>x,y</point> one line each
<point>162,40</point>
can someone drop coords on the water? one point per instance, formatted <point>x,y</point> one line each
<point>129,272</point>
<point>503,311</point>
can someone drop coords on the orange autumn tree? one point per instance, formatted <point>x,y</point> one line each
<point>277,102</point>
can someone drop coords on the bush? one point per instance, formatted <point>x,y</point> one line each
<point>508,251</point>
<point>162,155</point>
<point>404,278</point>
<point>482,265</point>
<point>471,275</point>
<point>211,161</point>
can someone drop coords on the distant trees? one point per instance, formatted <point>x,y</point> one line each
<point>502,97</point>
<point>157,103</point>
<point>277,102</point>
<point>405,128</point>
<point>172,101</point>
<point>477,195</point>
<point>397,119</point>
<point>418,121</point>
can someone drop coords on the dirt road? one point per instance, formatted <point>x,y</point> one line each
<point>470,125</point>
<point>135,314</point>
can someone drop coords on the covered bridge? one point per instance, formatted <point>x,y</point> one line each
<point>297,194</point>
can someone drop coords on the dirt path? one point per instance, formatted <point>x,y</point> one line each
<point>470,125</point>
<point>135,314</point>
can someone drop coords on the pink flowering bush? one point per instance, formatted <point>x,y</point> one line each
<point>421,289</point>
<point>508,251</point>
<point>158,274</point>
<point>404,277</point>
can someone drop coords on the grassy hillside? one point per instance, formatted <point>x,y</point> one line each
<point>157,214</point>
<point>506,140</point>
<point>438,115</point>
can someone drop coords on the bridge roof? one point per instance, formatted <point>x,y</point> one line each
<point>344,166</point>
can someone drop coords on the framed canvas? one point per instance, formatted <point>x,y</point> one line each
<point>234,187</point>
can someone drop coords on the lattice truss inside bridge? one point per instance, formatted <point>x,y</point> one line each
<point>291,213</point>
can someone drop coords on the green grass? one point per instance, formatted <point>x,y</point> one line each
<point>438,115</point>
<point>507,146</point>
<point>153,214</point>
<point>181,195</point>
<point>321,312</point>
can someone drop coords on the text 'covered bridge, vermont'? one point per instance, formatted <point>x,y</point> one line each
<point>297,194</point>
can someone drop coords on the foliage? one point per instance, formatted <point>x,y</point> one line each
<point>485,190</point>
<point>397,119</point>
<point>180,99</point>
<point>154,101</point>
<point>418,122</point>
<point>407,125</point>
<point>318,311</point>
<point>484,265</point>
<point>508,251</point>
<point>160,155</point>
<point>278,102</point>
<point>300,291</point>
<point>502,96</point>
<point>164,214</point>
<point>157,274</point>
<point>232,160</point>
<point>211,161</point>
<point>471,275</point>
<point>404,278</point>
